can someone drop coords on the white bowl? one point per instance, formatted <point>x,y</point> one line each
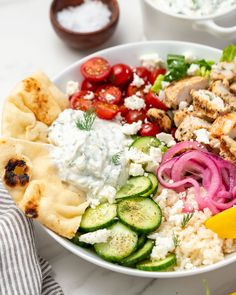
<point>130,54</point>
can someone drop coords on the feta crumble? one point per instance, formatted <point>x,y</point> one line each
<point>72,87</point>
<point>109,97</point>
<point>189,57</point>
<point>147,88</point>
<point>152,61</point>
<point>163,245</point>
<point>136,169</point>
<point>131,129</point>
<point>134,103</point>
<point>137,81</point>
<point>202,135</point>
<point>108,192</point>
<point>166,138</point>
<point>89,96</point>
<point>164,84</point>
<point>193,69</point>
<point>99,236</point>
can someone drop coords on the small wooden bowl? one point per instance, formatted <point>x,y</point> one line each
<point>83,40</point>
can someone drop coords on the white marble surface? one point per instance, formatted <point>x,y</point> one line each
<point>29,43</point>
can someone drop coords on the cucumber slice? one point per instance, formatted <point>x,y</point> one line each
<point>144,143</point>
<point>139,213</point>
<point>158,265</point>
<point>75,240</point>
<point>100,217</point>
<point>134,187</point>
<point>122,243</point>
<point>139,255</point>
<point>154,188</point>
<point>141,241</point>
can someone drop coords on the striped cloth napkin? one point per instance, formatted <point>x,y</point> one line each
<point>22,271</point>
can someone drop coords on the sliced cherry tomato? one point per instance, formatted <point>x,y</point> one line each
<point>82,104</point>
<point>153,101</point>
<point>173,130</point>
<point>106,111</point>
<point>120,74</point>
<point>87,85</point>
<point>143,73</point>
<point>134,116</point>
<point>95,69</point>
<point>131,90</point>
<point>123,110</point>
<point>149,129</point>
<point>110,94</point>
<point>155,73</point>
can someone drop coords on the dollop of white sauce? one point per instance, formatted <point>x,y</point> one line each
<point>84,158</point>
<point>194,7</point>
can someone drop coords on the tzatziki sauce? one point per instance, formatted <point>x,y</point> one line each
<point>85,159</point>
<point>195,8</point>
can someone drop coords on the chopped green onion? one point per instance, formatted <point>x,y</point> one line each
<point>157,86</point>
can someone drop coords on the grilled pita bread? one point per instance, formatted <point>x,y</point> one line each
<point>34,183</point>
<point>31,107</point>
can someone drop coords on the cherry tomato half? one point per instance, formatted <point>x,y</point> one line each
<point>106,111</point>
<point>120,74</point>
<point>110,94</point>
<point>149,129</point>
<point>134,116</point>
<point>143,73</point>
<point>155,73</point>
<point>87,85</point>
<point>123,110</point>
<point>78,102</point>
<point>95,69</point>
<point>153,101</point>
<point>131,90</point>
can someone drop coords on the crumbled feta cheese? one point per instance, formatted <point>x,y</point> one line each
<point>176,219</point>
<point>137,156</point>
<point>130,129</point>
<point>147,88</point>
<point>99,236</point>
<point>189,56</point>
<point>193,69</point>
<point>182,105</point>
<point>166,138</point>
<point>164,84</point>
<point>71,87</point>
<point>161,95</point>
<point>151,61</point>
<point>136,169</point>
<point>109,97</point>
<point>155,154</point>
<point>202,135</point>
<point>134,103</point>
<point>163,245</point>
<point>108,192</point>
<point>89,95</point>
<point>177,208</point>
<point>137,81</point>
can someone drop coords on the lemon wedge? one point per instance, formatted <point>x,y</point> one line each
<point>224,224</point>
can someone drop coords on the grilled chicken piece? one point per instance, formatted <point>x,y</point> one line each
<point>179,116</point>
<point>208,104</point>
<point>228,148</point>
<point>221,89</point>
<point>180,90</point>
<point>232,87</point>
<point>161,118</point>
<point>186,129</point>
<point>223,70</point>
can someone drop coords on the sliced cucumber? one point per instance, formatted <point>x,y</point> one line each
<point>75,240</point>
<point>158,265</point>
<point>100,217</point>
<point>134,187</point>
<point>121,244</point>
<point>139,255</point>
<point>141,241</point>
<point>144,143</point>
<point>140,213</point>
<point>154,187</point>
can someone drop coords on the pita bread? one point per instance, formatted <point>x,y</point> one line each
<point>31,107</point>
<point>33,182</point>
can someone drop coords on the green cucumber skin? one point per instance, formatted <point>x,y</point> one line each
<point>161,265</point>
<point>140,255</point>
<point>141,143</point>
<point>140,230</point>
<point>91,229</point>
<point>75,240</point>
<point>154,188</point>
<point>141,241</point>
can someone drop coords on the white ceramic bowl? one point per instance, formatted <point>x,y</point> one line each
<point>130,54</point>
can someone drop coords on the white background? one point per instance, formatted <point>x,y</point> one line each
<point>28,43</point>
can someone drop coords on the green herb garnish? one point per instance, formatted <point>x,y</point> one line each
<point>87,121</point>
<point>186,219</point>
<point>176,240</point>
<point>157,86</point>
<point>229,53</point>
<point>116,159</point>
<point>177,67</point>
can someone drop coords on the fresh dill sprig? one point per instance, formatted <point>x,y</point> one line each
<point>186,219</point>
<point>87,121</point>
<point>176,240</point>
<point>116,159</point>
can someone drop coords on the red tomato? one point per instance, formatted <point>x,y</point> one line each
<point>106,111</point>
<point>134,116</point>
<point>131,90</point>
<point>110,94</point>
<point>155,73</point>
<point>153,100</point>
<point>120,74</point>
<point>149,129</point>
<point>143,73</point>
<point>81,103</point>
<point>95,69</point>
<point>87,85</point>
<point>123,110</point>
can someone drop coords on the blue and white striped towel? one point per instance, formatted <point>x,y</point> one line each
<point>22,271</point>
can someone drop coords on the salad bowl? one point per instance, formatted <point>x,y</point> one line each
<point>130,54</point>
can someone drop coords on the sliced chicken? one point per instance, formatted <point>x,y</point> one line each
<point>208,104</point>
<point>228,148</point>
<point>189,125</point>
<point>221,89</point>
<point>223,70</point>
<point>232,87</point>
<point>180,90</point>
<point>161,118</point>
